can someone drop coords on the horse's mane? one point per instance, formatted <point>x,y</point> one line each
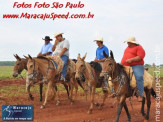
<point>42,57</point>
<point>96,66</point>
<point>120,67</point>
<point>74,60</point>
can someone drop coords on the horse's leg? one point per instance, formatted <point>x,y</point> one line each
<point>28,86</point>
<point>46,95</point>
<point>104,98</point>
<point>76,87</point>
<point>67,89</point>
<point>29,92</point>
<point>119,109</point>
<point>142,107</point>
<point>70,91</point>
<point>92,99</point>
<point>127,112</point>
<point>148,96</point>
<point>41,86</point>
<point>57,94</point>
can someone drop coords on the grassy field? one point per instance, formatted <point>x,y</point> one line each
<point>6,72</point>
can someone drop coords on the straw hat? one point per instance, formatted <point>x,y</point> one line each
<point>100,39</point>
<point>57,34</point>
<point>132,40</point>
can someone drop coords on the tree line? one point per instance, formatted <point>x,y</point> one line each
<point>7,63</point>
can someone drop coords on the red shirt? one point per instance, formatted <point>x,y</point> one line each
<point>131,52</point>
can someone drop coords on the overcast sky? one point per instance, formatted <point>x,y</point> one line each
<point>114,20</point>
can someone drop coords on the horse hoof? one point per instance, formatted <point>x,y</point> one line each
<point>143,114</point>
<point>111,106</point>
<point>147,118</point>
<point>89,112</point>
<point>58,103</point>
<point>42,107</point>
<point>32,98</point>
<point>100,107</point>
<point>72,102</point>
<point>96,104</point>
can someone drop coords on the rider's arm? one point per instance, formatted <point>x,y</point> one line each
<point>55,44</point>
<point>63,51</point>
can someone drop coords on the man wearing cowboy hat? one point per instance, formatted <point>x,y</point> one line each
<point>46,48</point>
<point>100,58</point>
<point>61,48</point>
<point>133,56</point>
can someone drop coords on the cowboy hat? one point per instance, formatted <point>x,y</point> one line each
<point>132,40</point>
<point>47,38</point>
<point>100,39</point>
<point>57,34</point>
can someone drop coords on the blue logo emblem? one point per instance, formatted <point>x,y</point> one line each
<point>17,112</point>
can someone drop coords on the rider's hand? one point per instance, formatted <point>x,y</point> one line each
<point>96,60</point>
<point>56,42</point>
<point>129,61</point>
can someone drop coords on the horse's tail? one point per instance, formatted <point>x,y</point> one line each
<point>153,93</point>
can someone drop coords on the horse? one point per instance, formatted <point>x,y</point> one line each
<point>19,66</point>
<point>122,88</point>
<point>45,66</point>
<point>91,80</point>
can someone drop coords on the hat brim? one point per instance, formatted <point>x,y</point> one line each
<point>47,39</point>
<point>58,34</point>
<point>98,41</point>
<point>134,42</point>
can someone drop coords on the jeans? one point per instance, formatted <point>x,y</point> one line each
<point>65,60</point>
<point>139,72</point>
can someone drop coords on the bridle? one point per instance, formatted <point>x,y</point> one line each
<point>82,71</point>
<point>34,74</point>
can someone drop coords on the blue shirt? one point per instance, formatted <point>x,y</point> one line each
<point>99,52</point>
<point>46,48</point>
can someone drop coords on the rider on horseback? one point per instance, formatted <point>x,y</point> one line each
<point>133,56</point>
<point>100,56</point>
<point>61,48</point>
<point>46,48</point>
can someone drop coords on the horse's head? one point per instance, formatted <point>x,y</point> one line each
<point>80,67</point>
<point>109,65</point>
<point>32,67</point>
<point>20,64</point>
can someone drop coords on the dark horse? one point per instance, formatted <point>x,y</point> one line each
<point>121,84</point>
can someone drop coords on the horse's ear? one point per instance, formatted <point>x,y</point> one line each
<point>111,54</point>
<point>29,56</point>
<point>105,55</point>
<point>84,57</point>
<point>18,57</point>
<point>15,56</point>
<point>78,58</point>
<point>26,57</point>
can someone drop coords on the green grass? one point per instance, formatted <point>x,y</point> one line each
<point>6,72</point>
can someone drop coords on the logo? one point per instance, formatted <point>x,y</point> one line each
<point>17,112</point>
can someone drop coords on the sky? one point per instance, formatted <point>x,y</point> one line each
<point>114,20</point>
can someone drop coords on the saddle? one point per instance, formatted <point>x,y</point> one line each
<point>148,79</point>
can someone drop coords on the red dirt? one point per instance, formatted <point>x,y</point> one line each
<point>78,111</point>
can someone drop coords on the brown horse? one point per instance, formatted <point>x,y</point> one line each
<point>91,79</point>
<point>45,66</point>
<point>19,66</point>
<point>121,84</point>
